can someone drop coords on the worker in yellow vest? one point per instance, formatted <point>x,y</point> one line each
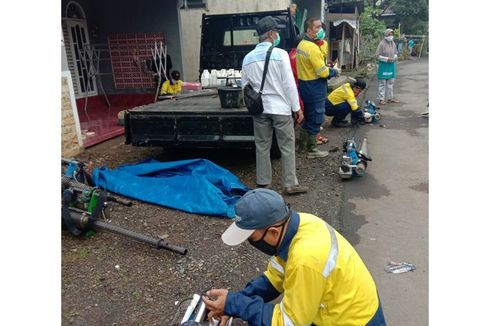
<point>312,82</point>
<point>320,275</point>
<point>172,86</point>
<point>342,101</point>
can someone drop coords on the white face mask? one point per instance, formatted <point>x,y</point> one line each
<point>389,38</point>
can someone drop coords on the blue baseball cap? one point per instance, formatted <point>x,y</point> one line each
<point>257,209</point>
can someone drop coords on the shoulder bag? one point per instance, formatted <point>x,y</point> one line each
<point>252,99</point>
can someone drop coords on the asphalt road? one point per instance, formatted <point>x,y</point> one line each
<point>385,213</point>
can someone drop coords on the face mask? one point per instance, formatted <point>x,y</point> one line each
<point>263,246</point>
<point>320,34</point>
<point>277,40</point>
<point>389,38</point>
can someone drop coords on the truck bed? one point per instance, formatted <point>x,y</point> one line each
<point>191,120</point>
<point>204,102</point>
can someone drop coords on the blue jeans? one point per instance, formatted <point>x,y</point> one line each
<point>314,116</point>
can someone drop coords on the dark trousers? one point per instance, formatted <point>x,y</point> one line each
<point>314,116</point>
<point>338,112</point>
<point>378,318</point>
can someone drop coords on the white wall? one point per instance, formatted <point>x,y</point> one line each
<point>190,20</point>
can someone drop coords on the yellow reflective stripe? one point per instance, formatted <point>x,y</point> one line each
<point>334,251</point>
<point>275,264</point>
<point>287,321</point>
<point>298,51</point>
<point>321,69</point>
<point>344,89</point>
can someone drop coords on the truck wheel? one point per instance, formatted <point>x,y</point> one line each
<point>275,151</point>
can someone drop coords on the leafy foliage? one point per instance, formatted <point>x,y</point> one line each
<point>372,31</point>
<point>413,15</point>
<point>370,25</point>
<point>415,9</point>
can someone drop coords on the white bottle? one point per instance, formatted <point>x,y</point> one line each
<point>213,78</point>
<point>205,78</point>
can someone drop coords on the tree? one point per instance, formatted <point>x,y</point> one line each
<point>413,15</point>
<point>372,31</point>
<point>370,25</point>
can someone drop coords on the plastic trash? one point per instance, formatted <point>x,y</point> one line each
<point>397,268</point>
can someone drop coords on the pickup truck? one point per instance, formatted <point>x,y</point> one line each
<point>197,119</point>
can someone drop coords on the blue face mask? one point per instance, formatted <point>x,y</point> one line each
<point>277,40</point>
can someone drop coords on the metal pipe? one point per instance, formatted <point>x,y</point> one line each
<point>81,220</point>
<point>157,243</point>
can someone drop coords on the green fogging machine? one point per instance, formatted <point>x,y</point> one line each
<point>84,207</point>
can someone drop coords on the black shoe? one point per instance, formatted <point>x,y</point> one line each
<point>340,124</point>
<point>358,122</point>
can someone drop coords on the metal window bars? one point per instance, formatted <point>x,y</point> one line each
<point>90,60</point>
<point>157,53</point>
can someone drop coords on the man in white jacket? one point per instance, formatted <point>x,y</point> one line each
<point>280,100</point>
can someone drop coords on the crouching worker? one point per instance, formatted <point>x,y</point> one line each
<point>173,86</point>
<point>342,101</point>
<point>322,278</point>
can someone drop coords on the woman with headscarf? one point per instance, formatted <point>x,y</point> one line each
<point>386,55</point>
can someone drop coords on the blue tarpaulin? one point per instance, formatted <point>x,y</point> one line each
<point>195,186</point>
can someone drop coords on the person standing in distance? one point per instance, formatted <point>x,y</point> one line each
<point>280,99</point>
<point>312,81</point>
<point>386,54</point>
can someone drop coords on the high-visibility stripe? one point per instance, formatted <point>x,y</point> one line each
<point>299,51</point>
<point>344,89</point>
<point>321,69</point>
<point>334,251</point>
<point>276,265</point>
<point>287,321</point>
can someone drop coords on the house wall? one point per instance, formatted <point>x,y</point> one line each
<point>127,16</point>
<point>191,26</point>
<point>71,142</point>
<point>71,137</point>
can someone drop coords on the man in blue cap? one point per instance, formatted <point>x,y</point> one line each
<point>280,101</point>
<point>322,278</point>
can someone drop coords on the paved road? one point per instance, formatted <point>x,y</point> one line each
<point>385,213</point>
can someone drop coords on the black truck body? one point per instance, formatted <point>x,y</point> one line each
<point>197,119</point>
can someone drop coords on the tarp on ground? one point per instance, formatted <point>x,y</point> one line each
<point>195,186</point>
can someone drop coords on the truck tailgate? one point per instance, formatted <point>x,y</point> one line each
<point>189,122</point>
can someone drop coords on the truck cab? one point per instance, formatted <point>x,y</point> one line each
<point>227,38</point>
